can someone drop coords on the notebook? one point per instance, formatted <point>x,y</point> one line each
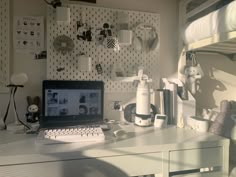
<point>71,103</point>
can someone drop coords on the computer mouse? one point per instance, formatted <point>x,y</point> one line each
<point>120,133</point>
<point>104,127</point>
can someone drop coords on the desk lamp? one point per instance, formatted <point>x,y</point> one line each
<point>17,80</point>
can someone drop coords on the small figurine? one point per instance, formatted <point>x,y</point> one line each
<point>192,74</point>
<point>33,111</point>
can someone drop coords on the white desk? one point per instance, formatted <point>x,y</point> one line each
<point>144,151</point>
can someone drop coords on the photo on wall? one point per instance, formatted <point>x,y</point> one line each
<point>28,35</point>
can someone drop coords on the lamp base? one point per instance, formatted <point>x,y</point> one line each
<point>1,124</point>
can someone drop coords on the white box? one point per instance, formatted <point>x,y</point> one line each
<point>125,37</point>
<point>84,63</point>
<point>63,15</point>
<point>185,109</point>
<point>180,109</point>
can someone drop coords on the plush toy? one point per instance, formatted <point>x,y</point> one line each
<point>33,111</point>
<point>192,74</point>
<point>192,71</point>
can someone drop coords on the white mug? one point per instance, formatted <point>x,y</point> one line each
<point>197,123</point>
<point>160,121</point>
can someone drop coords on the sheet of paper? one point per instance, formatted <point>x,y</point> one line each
<point>29,34</point>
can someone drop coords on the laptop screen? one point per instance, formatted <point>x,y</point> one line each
<point>72,102</point>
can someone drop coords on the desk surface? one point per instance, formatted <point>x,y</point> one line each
<point>22,148</point>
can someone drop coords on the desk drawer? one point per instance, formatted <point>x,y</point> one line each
<point>141,164</point>
<point>212,174</point>
<point>118,166</point>
<point>195,158</point>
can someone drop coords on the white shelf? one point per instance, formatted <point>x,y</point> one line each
<point>223,42</point>
<point>125,79</point>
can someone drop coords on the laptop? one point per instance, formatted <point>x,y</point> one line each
<point>71,103</point>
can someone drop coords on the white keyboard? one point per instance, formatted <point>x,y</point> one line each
<point>71,135</point>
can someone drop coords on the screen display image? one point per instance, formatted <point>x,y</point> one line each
<point>69,103</point>
<point>72,102</point>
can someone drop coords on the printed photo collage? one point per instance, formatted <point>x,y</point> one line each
<point>29,34</point>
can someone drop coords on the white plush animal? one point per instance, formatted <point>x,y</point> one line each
<point>192,74</point>
<point>33,111</point>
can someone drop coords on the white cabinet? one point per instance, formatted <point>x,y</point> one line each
<point>165,152</point>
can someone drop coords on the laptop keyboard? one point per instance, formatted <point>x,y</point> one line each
<point>91,133</point>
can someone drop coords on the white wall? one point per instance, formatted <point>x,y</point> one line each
<point>36,69</point>
<point>218,83</point>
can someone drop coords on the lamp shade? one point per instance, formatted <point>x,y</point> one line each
<point>19,79</point>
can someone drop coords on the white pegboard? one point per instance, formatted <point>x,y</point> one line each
<point>4,44</point>
<point>127,55</point>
